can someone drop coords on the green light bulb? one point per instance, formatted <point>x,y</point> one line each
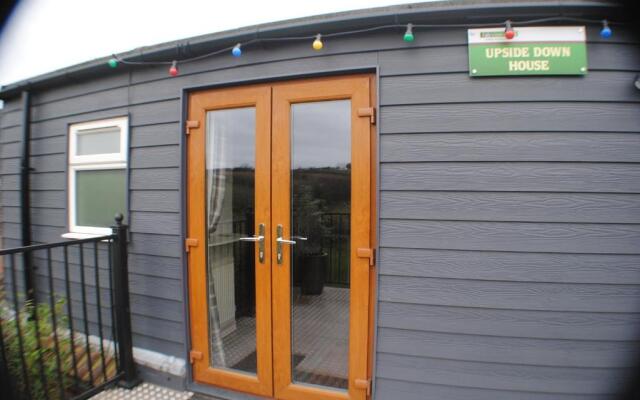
<point>113,63</point>
<point>408,37</point>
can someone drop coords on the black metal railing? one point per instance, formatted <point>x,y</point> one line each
<point>71,336</point>
<point>337,245</point>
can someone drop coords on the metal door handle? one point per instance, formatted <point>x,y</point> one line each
<point>280,241</point>
<point>260,239</point>
<point>252,239</point>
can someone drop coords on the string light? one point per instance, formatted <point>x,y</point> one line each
<point>408,35</point>
<point>236,51</point>
<point>605,33</point>
<point>173,71</point>
<point>317,44</point>
<point>508,30</point>
<point>509,33</point>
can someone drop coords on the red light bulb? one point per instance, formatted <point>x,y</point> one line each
<point>508,30</point>
<point>173,71</point>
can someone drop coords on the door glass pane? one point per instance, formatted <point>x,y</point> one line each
<point>320,210</point>
<point>100,195</point>
<point>230,178</point>
<point>98,141</point>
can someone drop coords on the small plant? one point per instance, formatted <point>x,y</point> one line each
<point>38,350</point>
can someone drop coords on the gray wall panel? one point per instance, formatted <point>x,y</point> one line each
<point>154,222</point>
<point>511,206</point>
<point>501,376</point>
<point>155,157</point>
<point>513,323</point>
<point>511,236</point>
<point>155,135</point>
<point>511,146</point>
<point>155,200</point>
<point>10,135</point>
<point>551,352</point>
<point>458,88</point>
<point>107,99</point>
<point>155,179</point>
<point>402,389</point>
<point>509,295</point>
<point>491,117</point>
<point>513,177</point>
<point>42,199</point>
<point>511,266</point>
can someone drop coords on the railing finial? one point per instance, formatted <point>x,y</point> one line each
<point>119,218</point>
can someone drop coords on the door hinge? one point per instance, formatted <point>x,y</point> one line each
<point>364,252</point>
<point>195,356</point>
<point>368,112</point>
<point>364,384</point>
<point>191,125</point>
<point>190,242</point>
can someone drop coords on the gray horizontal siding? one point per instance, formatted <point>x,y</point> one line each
<point>509,236</point>
<point>457,88</point>
<point>501,376</point>
<point>510,295</point>
<point>511,266</point>
<point>520,177</point>
<point>512,206</point>
<point>512,146</point>
<point>509,209</point>
<point>507,350</point>
<point>402,389</point>
<point>504,116</point>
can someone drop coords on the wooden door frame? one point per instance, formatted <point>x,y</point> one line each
<point>358,89</point>
<point>258,96</point>
<point>252,387</point>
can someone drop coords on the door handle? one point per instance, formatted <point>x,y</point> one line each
<point>280,241</point>
<point>260,239</point>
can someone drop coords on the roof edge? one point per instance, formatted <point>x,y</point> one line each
<point>452,10</point>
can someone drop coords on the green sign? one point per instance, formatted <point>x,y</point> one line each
<point>533,51</point>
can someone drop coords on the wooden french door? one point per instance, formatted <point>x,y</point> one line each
<point>279,237</point>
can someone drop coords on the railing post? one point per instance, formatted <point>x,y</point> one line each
<point>120,279</point>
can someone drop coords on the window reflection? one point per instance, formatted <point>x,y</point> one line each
<point>320,207</point>
<point>230,162</point>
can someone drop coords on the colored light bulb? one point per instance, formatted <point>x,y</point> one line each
<point>509,33</point>
<point>317,44</point>
<point>236,51</point>
<point>605,33</point>
<point>113,63</point>
<point>408,35</point>
<point>173,71</point>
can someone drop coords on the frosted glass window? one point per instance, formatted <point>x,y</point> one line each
<point>98,141</point>
<point>100,195</point>
<point>97,174</point>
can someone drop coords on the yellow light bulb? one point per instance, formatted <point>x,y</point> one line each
<point>317,44</point>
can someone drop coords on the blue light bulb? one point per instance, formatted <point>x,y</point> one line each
<point>236,51</point>
<point>605,33</point>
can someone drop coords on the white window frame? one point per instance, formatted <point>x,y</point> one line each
<point>92,162</point>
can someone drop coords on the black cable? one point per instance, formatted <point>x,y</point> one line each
<point>364,30</point>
